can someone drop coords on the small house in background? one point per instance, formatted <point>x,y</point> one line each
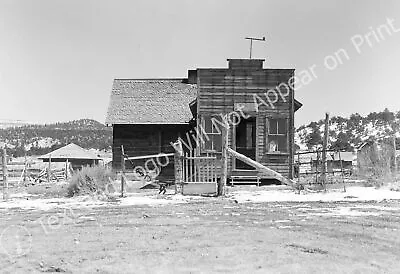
<point>76,156</point>
<point>339,160</point>
<point>335,161</point>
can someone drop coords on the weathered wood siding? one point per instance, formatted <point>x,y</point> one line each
<point>140,140</point>
<point>220,90</point>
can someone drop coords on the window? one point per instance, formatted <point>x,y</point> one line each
<point>277,135</point>
<point>211,133</point>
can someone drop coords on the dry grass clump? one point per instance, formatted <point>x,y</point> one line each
<point>376,166</point>
<point>91,180</point>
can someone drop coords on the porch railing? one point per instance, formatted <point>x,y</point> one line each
<point>200,169</point>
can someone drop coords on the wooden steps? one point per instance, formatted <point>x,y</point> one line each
<point>245,179</point>
<point>263,169</point>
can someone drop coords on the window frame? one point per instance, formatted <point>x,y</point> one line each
<point>209,135</point>
<point>268,134</point>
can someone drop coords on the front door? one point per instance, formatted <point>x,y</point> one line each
<point>246,141</point>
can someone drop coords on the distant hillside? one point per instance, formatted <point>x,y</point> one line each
<point>13,123</point>
<point>41,139</point>
<point>348,133</point>
<point>344,133</point>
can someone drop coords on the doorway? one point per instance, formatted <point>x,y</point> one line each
<point>245,141</point>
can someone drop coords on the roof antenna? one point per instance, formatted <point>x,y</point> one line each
<point>251,42</point>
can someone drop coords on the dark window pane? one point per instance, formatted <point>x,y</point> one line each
<point>241,135</point>
<point>207,124</point>
<point>217,139</point>
<point>273,126</point>
<point>282,127</point>
<point>282,143</point>
<point>249,136</point>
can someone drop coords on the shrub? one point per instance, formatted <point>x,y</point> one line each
<point>376,165</point>
<point>91,180</point>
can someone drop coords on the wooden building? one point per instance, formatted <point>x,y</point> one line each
<point>147,115</point>
<point>73,154</point>
<point>335,161</point>
<point>257,103</point>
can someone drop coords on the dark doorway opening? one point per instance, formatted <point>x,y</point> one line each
<point>246,141</point>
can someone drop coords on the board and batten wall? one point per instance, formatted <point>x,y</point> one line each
<point>220,91</point>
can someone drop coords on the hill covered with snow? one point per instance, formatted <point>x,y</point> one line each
<point>348,133</point>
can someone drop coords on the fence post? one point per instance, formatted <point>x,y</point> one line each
<point>316,168</point>
<point>224,161</point>
<point>122,170</point>
<point>25,168</point>
<point>5,182</point>
<point>49,170</point>
<point>341,171</point>
<point>325,145</point>
<point>66,169</point>
<point>298,174</point>
<point>178,168</point>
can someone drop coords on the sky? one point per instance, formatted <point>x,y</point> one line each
<point>58,59</point>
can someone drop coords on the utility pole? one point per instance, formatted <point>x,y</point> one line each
<point>325,145</point>
<point>251,42</point>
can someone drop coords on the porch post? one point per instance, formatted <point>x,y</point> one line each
<point>178,166</point>
<point>224,160</point>
<point>122,171</point>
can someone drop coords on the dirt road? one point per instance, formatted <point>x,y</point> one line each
<point>206,236</point>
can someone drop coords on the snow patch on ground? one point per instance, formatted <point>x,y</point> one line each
<point>23,201</point>
<point>352,211</point>
<point>352,194</point>
<point>254,195</point>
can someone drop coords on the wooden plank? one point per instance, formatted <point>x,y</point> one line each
<point>212,170</point>
<point>186,174</point>
<point>201,158</point>
<point>200,188</point>
<point>204,163</point>
<point>262,168</point>
<point>191,166</point>
<point>194,168</point>
<point>207,177</point>
<point>150,156</point>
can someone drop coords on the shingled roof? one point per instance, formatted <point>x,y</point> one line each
<point>150,101</point>
<point>70,152</point>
